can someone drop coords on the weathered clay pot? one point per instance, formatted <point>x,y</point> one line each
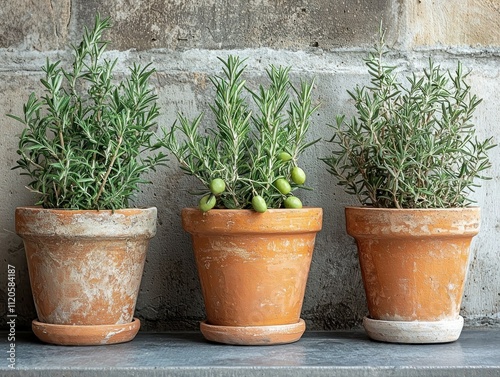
<point>414,264</point>
<point>85,269</point>
<point>253,270</point>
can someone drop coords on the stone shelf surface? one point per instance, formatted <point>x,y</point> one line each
<point>351,354</point>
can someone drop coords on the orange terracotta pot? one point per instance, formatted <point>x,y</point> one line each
<point>85,270</point>
<point>253,270</point>
<point>414,264</point>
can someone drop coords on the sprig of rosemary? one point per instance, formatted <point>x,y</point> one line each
<point>83,139</point>
<point>410,145</point>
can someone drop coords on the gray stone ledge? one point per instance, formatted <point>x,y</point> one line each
<point>342,353</point>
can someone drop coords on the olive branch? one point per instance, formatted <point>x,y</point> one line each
<point>247,160</point>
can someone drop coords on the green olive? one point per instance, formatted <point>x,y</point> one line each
<point>259,204</point>
<point>293,202</point>
<point>283,186</point>
<point>284,156</point>
<point>298,175</point>
<point>207,203</point>
<point>217,186</point>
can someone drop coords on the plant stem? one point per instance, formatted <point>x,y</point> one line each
<point>108,171</point>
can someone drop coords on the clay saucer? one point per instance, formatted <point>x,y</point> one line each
<point>85,335</point>
<point>253,335</point>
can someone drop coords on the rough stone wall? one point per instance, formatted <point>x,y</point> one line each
<point>322,39</point>
<point>453,22</point>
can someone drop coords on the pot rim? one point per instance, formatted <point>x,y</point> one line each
<point>33,221</point>
<point>440,209</point>
<point>371,222</point>
<point>248,221</point>
<point>76,211</point>
<point>251,210</point>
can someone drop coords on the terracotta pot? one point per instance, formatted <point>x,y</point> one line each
<point>85,269</point>
<point>414,264</point>
<point>253,271</point>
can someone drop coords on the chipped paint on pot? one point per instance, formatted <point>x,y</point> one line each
<point>85,266</point>
<point>253,267</point>
<point>413,261</point>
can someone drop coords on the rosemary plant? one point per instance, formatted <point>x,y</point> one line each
<point>247,160</point>
<point>413,144</point>
<point>83,138</point>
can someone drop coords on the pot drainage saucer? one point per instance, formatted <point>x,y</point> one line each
<point>444,331</point>
<point>253,335</point>
<point>85,335</point>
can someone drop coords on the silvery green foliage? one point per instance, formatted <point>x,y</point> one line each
<point>412,144</point>
<point>84,137</point>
